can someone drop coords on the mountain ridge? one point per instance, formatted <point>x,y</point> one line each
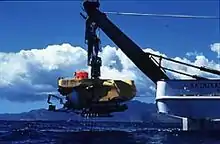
<point>137,112</point>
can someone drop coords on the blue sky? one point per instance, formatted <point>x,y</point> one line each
<point>28,25</point>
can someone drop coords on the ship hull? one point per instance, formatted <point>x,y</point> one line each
<point>194,107</point>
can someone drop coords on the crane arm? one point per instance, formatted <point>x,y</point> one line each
<point>130,49</point>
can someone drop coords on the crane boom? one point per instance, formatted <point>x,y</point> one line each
<point>130,49</point>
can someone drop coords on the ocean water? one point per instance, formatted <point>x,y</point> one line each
<point>92,132</point>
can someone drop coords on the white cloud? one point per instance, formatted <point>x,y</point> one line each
<point>195,53</point>
<point>29,74</point>
<point>216,48</point>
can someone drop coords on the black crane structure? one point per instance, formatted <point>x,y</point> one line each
<point>93,42</point>
<point>144,61</point>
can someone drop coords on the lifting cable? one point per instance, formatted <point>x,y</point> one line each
<point>162,15</point>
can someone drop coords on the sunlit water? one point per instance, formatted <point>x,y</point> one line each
<point>87,132</point>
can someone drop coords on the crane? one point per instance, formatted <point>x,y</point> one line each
<point>144,61</point>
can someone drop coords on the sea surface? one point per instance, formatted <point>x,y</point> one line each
<point>93,132</point>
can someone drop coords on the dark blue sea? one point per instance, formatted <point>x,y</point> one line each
<point>92,132</point>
